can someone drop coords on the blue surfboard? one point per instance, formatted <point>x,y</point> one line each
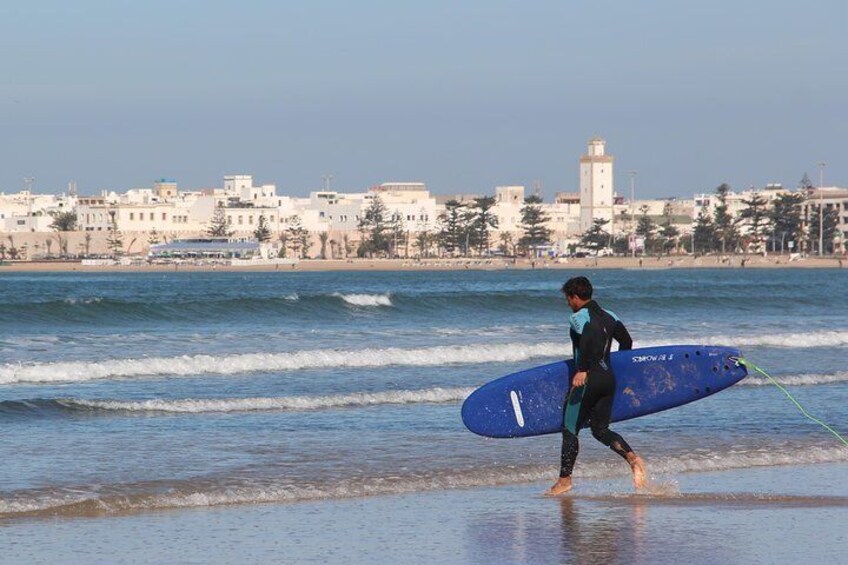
<point>530,403</point>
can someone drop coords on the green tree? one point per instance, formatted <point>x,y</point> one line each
<point>786,218</point>
<point>727,236</point>
<point>596,237</point>
<point>755,216</point>
<point>219,226</point>
<point>374,230</point>
<point>507,245</point>
<point>262,233</point>
<point>322,238</point>
<point>533,225</point>
<point>703,235</point>
<point>805,183</point>
<point>423,238</point>
<point>284,244</point>
<point>13,251</point>
<point>668,231</point>
<point>646,228</point>
<point>829,223</point>
<point>153,237</point>
<point>482,220</point>
<point>114,239</point>
<point>347,246</point>
<point>453,227</point>
<point>64,221</point>
<point>397,233</point>
<point>298,238</point>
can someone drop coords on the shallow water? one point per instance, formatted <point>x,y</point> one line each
<point>130,393</point>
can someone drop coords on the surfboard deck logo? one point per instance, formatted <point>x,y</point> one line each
<point>648,380</point>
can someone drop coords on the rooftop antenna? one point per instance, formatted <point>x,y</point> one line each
<point>72,188</point>
<point>327,180</point>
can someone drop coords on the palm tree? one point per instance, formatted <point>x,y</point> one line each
<point>323,237</point>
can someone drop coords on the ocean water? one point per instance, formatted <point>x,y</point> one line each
<point>122,394</point>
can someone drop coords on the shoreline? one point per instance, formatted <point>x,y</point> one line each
<point>319,265</point>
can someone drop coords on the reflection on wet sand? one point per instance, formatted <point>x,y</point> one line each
<point>624,528</point>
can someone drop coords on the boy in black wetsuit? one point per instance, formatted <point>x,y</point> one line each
<point>593,385</point>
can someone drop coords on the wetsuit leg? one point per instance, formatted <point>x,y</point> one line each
<point>599,421</point>
<point>578,409</point>
<point>570,427</point>
<point>592,404</point>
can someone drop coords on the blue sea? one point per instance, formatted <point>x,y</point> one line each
<point>157,403</point>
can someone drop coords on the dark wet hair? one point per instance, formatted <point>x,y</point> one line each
<point>578,286</point>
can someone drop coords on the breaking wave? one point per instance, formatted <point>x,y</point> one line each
<point>777,340</point>
<point>365,299</point>
<point>796,380</point>
<point>249,362</point>
<point>371,357</point>
<point>281,403</point>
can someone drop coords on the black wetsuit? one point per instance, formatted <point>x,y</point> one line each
<point>592,332</point>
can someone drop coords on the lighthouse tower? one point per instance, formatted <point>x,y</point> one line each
<point>596,189</point>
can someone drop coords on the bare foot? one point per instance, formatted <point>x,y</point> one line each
<point>640,474</point>
<point>562,486</point>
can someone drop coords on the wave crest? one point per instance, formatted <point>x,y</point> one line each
<point>281,403</point>
<point>250,362</point>
<point>365,299</point>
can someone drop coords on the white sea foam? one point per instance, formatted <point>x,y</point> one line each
<point>91,300</point>
<point>777,340</point>
<point>282,403</point>
<point>365,299</point>
<point>330,358</point>
<point>797,380</point>
<point>122,498</point>
<point>250,362</point>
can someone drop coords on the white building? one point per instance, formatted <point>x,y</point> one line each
<point>596,184</point>
<point>830,198</point>
<point>28,212</point>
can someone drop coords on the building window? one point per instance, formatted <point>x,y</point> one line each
<point>163,216</point>
<point>241,220</point>
<point>132,216</point>
<point>250,220</point>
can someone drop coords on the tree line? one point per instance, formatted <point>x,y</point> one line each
<point>464,229</point>
<point>760,226</point>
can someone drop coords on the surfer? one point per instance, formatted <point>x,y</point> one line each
<point>593,385</point>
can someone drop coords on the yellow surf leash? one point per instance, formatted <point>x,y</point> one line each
<point>743,361</point>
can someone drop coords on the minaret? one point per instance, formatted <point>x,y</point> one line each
<point>596,190</point>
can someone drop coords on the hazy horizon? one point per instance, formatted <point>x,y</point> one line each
<point>461,96</point>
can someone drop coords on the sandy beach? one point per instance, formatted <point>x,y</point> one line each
<point>316,265</point>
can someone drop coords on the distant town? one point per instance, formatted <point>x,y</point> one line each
<point>246,221</point>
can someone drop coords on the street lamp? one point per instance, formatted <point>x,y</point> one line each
<point>822,165</point>
<point>632,203</point>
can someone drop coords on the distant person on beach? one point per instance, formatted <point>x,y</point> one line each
<point>593,385</point>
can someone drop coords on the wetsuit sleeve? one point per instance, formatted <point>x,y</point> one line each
<point>577,322</point>
<point>622,336</point>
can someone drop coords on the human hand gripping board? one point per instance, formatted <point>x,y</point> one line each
<point>649,380</point>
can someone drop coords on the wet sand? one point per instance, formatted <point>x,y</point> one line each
<point>756,515</point>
